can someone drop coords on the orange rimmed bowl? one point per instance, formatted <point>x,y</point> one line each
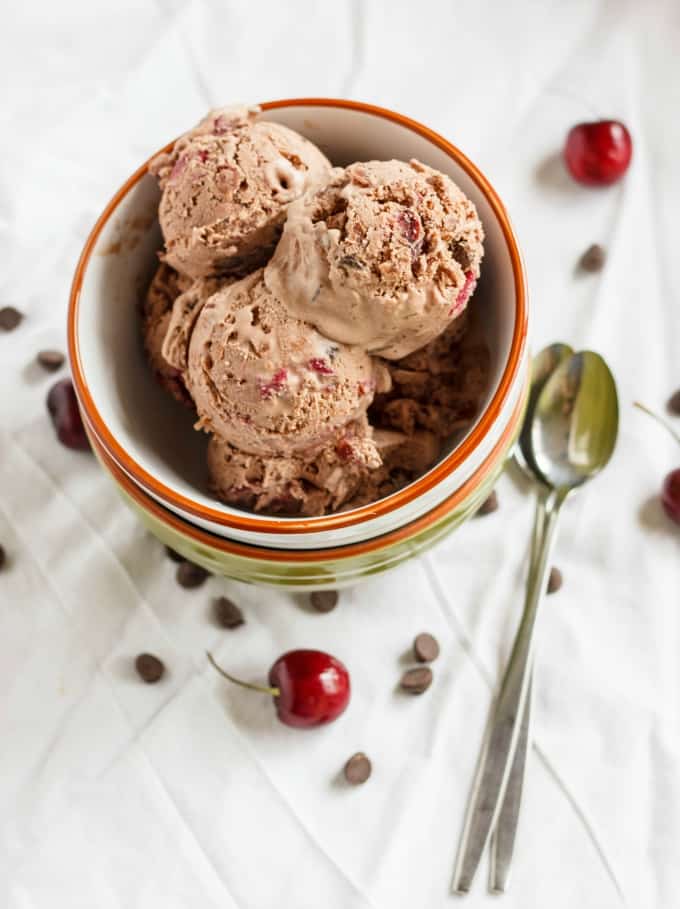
<point>148,438</point>
<point>300,569</point>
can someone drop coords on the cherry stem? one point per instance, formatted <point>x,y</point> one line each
<point>658,420</point>
<point>263,689</point>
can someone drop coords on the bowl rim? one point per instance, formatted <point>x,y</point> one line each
<point>386,505</point>
<point>253,551</point>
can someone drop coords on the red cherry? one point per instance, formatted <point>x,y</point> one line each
<point>309,687</point>
<point>598,153</point>
<point>313,687</point>
<point>62,405</point>
<point>670,495</point>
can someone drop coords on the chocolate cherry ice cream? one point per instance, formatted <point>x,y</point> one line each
<point>226,185</point>
<point>316,318</point>
<point>385,255</point>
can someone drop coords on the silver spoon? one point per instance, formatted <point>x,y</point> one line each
<point>573,434</point>
<point>543,366</point>
<point>503,838</point>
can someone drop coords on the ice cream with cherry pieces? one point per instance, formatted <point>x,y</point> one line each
<point>226,185</point>
<point>316,318</point>
<point>384,256</point>
<point>305,483</point>
<point>268,383</point>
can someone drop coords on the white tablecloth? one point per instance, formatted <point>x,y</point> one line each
<point>189,793</point>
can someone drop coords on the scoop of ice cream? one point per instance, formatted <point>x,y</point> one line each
<point>267,382</point>
<point>384,256</point>
<point>179,325</point>
<point>164,289</point>
<point>226,186</point>
<point>294,484</point>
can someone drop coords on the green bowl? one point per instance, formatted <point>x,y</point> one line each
<point>314,568</point>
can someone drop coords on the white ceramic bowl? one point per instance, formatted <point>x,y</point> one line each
<point>150,437</point>
<point>304,568</point>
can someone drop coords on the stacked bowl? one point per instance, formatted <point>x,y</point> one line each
<point>144,440</point>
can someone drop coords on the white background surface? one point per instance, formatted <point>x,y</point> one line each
<point>187,794</point>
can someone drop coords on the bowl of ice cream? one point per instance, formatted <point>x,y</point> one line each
<point>381,397</point>
<point>307,568</point>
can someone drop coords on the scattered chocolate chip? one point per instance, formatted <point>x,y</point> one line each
<point>554,580</point>
<point>425,648</point>
<point>416,681</point>
<point>189,575</point>
<point>489,505</point>
<point>3,557</point>
<point>9,318</point>
<point>51,360</point>
<point>174,556</point>
<point>149,668</point>
<point>674,403</point>
<point>324,600</point>
<point>357,769</point>
<point>593,258</point>
<point>227,614</point>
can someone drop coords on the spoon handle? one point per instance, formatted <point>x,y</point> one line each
<point>500,742</point>
<point>503,837</point>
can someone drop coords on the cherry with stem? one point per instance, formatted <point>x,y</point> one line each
<point>670,490</point>
<point>309,687</point>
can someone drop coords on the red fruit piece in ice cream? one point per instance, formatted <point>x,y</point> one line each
<point>275,384</point>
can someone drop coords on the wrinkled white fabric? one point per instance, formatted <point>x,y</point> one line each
<point>189,793</point>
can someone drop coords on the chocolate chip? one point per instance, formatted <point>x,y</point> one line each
<point>425,648</point>
<point>227,614</point>
<point>189,575</point>
<point>324,600</point>
<point>351,262</point>
<point>460,254</point>
<point>357,769</point>
<point>3,557</point>
<point>9,318</point>
<point>174,556</point>
<point>51,360</point>
<point>593,258</point>
<point>149,668</point>
<point>489,505</point>
<point>674,403</point>
<point>554,580</point>
<point>415,681</point>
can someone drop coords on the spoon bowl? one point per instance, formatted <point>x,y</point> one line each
<point>543,366</point>
<point>575,422</point>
